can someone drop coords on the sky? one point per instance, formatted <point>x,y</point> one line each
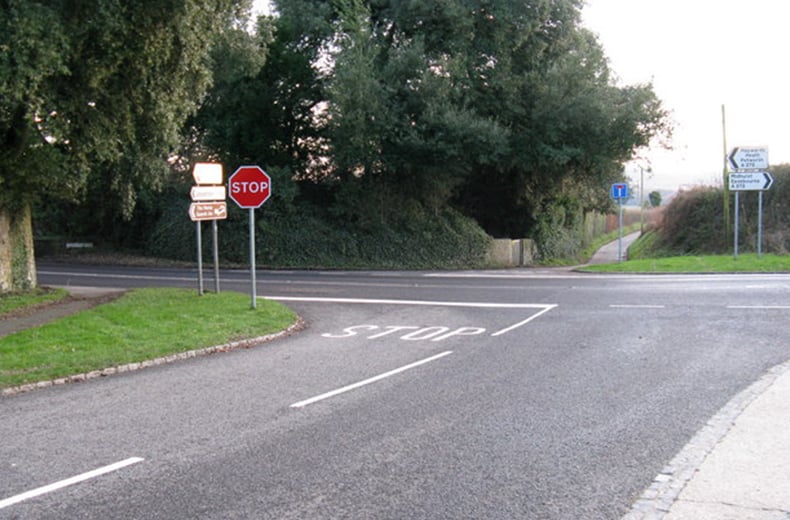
<point>700,55</point>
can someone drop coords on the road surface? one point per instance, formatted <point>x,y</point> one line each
<point>499,394</point>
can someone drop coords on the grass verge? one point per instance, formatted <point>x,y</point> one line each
<point>746,263</point>
<point>141,325</point>
<point>15,301</point>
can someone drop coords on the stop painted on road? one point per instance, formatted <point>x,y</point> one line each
<point>406,332</point>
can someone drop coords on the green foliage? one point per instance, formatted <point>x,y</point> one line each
<point>694,224</point>
<point>105,119</point>
<point>388,125</point>
<point>95,94</point>
<point>565,230</point>
<point>33,46</point>
<point>310,237</point>
<point>655,199</point>
<point>776,213</point>
<point>570,127</point>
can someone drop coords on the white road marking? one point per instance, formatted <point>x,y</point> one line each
<point>781,307</point>
<point>359,384</point>
<point>546,309</point>
<point>68,482</point>
<point>481,305</point>
<point>558,275</point>
<point>119,276</point>
<point>637,306</point>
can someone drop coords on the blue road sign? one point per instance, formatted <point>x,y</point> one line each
<point>619,190</point>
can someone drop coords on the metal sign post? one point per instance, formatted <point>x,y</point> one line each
<point>746,176</point>
<point>619,192</point>
<point>253,294</point>
<point>620,226</point>
<point>760,226</point>
<point>249,188</point>
<point>737,218</point>
<point>208,203</point>
<point>215,249</point>
<point>199,259</point>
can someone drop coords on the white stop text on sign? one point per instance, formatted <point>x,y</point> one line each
<point>405,332</point>
<point>249,187</point>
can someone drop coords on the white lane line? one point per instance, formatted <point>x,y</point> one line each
<point>638,306</point>
<point>758,306</point>
<point>68,482</point>
<point>546,309</point>
<point>354,386</point>
<point>119,276</point>
<point>482,305</point>
<point>505,276</point>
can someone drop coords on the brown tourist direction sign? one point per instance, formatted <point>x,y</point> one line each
<point>199,211</point>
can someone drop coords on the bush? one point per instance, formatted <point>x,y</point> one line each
<point>311,238</point>
<point>694,220</point>
<point>694,223</point>
<point>565,232</point>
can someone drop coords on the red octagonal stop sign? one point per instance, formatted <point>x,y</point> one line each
<point>249,186</point>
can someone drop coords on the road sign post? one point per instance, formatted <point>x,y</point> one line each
<point>619,192</point>
<point>747,164</point>
<point>760,225</point>
<point>208,203</point>
<point>249,187</point>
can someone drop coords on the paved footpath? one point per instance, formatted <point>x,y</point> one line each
<point>608,254</point>
<point>736,468</point>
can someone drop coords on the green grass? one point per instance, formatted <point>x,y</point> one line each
<point>141,325</point>
<point>746,263</point>
<point>14,301</point>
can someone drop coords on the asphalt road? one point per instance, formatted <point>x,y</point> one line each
<point>504,394</point>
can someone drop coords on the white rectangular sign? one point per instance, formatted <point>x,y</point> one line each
<point>743,158</point>
<point>207,173</point>
<point>750,181</point>
<point>206,193</point>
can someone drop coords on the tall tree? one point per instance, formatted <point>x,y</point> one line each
<point>94,89</point>
<point>499,106</point>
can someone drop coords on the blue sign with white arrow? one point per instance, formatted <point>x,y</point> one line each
<point>619,190</point>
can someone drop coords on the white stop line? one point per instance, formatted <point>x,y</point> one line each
<point>440,334</point>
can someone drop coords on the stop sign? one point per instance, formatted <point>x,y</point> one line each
<point>249,186</point>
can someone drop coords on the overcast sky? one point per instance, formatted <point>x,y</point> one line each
<point>700,55</point>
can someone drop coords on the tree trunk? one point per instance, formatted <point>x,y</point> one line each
<point>17,262</point>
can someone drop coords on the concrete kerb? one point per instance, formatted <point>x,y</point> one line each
<point>657,500</point>
<point>298,325</point>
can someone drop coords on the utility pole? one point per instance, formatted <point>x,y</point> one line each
<point>641,201</point>
<point>725,176</point>
<point>642,197</point>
